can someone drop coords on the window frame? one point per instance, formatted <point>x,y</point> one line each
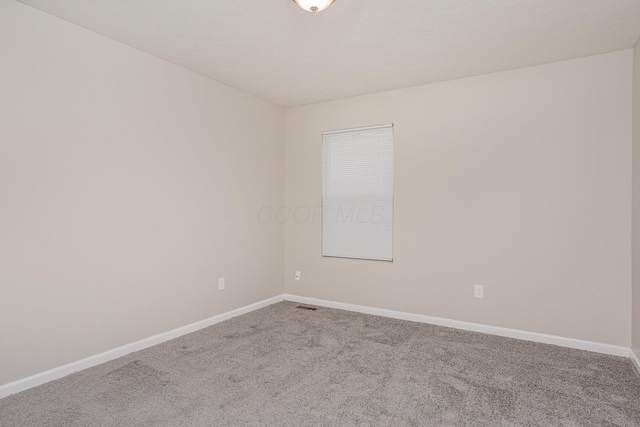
<point>392,193</point>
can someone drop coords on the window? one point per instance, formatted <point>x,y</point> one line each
<point>357,193</point>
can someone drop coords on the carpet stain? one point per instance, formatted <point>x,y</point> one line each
<point>137,376</point>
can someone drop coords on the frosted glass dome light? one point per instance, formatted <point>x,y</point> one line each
<point>314,6</point>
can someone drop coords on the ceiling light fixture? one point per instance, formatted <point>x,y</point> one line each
<point>314,6</point>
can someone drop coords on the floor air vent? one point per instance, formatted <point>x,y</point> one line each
<point>306,307</point>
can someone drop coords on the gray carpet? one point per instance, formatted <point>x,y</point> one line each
<point>281,366</point>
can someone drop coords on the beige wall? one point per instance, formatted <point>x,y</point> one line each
<point>127,187</point>
<point>636,199</point>
<point>518,181</point>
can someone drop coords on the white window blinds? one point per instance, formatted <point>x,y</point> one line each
<point>357,193</point>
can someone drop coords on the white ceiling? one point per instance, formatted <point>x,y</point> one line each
<point>277,51</point>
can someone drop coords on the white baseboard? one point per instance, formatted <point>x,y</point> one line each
<point>62,371</point>
<point>635,360</point>
<point>468,326</point>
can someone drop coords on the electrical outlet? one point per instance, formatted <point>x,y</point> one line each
<point>221,284</point>
<point>298,275</point>
<point>479,292</point>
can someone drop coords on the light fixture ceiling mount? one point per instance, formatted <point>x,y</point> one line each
<point>314,6</point>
